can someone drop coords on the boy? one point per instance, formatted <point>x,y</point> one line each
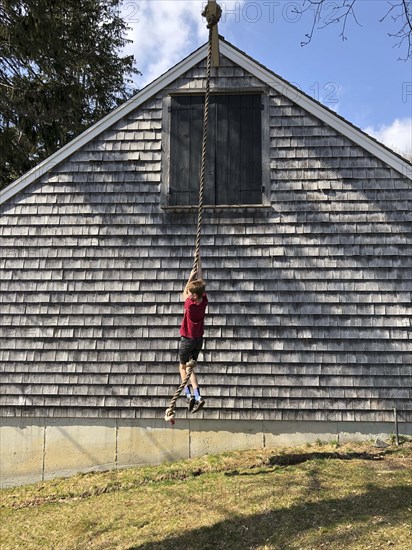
<point>191,334</point>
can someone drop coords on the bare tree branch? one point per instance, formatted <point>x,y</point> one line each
<point>401,10</point>
<point>340,12</point>
<point>321,17</point>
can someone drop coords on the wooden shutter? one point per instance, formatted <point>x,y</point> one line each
<point>250,150</point>
<point>234,157</point>
<point>185,149</point>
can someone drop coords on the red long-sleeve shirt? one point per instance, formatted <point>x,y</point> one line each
<point>193,318</point>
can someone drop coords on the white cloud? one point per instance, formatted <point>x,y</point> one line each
<point>397,136</point>
<point>163,33</point>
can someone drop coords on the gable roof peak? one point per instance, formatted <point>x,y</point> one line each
<point>249,64</point>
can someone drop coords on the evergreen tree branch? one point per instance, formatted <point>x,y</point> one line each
<point>60,71</point>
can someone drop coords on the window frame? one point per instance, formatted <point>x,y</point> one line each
<point>166,147</point>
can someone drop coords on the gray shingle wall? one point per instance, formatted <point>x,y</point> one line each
<point>310,298</point>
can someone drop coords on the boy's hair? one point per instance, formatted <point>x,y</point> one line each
<point>198,287</point>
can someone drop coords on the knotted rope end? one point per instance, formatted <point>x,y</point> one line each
<point>170,416</point>
<point>212,13</point>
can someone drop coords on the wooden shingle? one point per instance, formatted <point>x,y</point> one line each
<point>310,296</point>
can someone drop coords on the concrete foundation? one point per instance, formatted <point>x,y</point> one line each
<point>38,449</point>
<point>72,446</point>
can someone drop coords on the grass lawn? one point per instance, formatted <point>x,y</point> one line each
<point>312,497</point>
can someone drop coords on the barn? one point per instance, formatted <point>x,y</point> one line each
<point>306,250</point>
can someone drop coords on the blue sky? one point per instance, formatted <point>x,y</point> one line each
<point>360,78</point>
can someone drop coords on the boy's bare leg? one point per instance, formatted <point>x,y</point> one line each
<point>183,374</point>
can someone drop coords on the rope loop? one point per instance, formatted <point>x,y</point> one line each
<point>170,412</point>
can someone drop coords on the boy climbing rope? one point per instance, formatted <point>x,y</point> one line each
<point>191,334</point>
<point>195,297</point>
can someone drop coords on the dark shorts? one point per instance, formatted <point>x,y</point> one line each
<point>189,348</point>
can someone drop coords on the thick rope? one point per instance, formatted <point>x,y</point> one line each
<point>170,412</point>
<point>203,160</point>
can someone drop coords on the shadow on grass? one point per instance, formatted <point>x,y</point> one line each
<point>279,527</point>
<point>299,458</point>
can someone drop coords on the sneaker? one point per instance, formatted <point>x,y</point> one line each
<point>198,405</point>
<point>190,403</point>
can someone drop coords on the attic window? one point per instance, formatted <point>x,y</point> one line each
<point>234,151</point>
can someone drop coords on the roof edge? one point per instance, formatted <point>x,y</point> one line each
<point>317,109</point>
<point>91,133</point>
<point>239,57</point>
